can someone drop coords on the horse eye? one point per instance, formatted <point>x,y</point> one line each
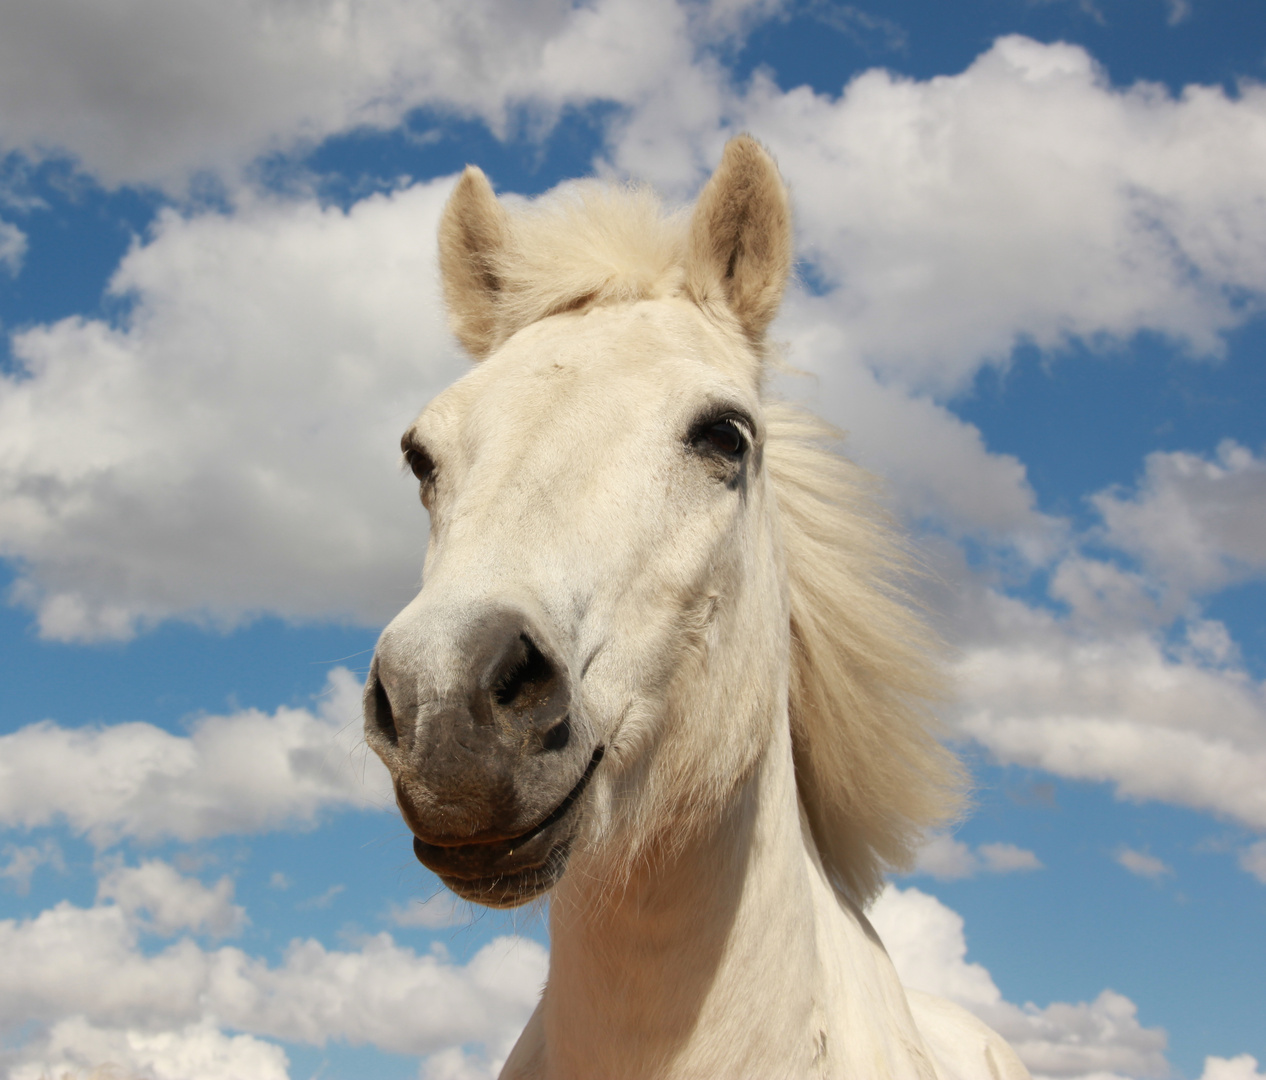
<point>419,462</point>
<point>723,437</point>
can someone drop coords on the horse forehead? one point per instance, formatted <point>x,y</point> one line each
<point>649,357</point>
<point>627,335</point>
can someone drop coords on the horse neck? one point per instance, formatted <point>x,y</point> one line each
<point>731,956</point>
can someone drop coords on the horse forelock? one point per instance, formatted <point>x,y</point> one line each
<point>588,243</point>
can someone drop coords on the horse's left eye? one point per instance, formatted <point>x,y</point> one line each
<point>724,436</point>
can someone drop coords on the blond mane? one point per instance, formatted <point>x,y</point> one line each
<point>870,771</point>
<point>864,667</point>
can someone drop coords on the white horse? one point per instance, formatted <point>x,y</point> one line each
<point>661,665</point>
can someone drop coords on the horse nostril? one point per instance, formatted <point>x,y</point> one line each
<point>558,736</point>
<point>383,718</point>
<point>528,681</point>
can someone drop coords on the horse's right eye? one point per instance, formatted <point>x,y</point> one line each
<point>420,464</point>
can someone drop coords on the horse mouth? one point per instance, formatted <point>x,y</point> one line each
<point>509,872</point>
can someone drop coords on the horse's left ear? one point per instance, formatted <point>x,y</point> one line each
<point>740,237</point>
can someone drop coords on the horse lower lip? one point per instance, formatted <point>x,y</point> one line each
<point>511,843</point>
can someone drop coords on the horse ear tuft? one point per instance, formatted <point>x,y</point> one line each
<point>473,235</point>
<point>740,237</point>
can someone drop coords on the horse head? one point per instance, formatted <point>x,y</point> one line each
<point>602,636</point>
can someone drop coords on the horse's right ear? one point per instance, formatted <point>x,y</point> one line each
<point>740,237</point>
<point>473,235</point>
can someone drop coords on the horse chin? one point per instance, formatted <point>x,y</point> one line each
<point>511,889</point>
<point>501,875</point>
<point>507,873</point>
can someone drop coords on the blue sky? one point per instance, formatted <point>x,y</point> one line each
<point>1033,267</point>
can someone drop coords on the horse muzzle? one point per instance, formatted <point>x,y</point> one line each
<point>478,730</point>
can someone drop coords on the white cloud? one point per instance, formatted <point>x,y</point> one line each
<point>377,993</point>
<point>936,464</point>
<point>1025,199</point>
<point>24,860</point>
<point>74,1049</point>
<point>372,994</point>
<point>1007,858</point>
<point>947,859</point>
<point>456,1063</point>
<point>12,248</point>
<point>245,772</point>
<point>1097,1040</point>
<point>1243,1067</point>
<point>1114,692</point>
<point>1179,11</point>
<point>1104,597</point>
<point>1253,860</point>
<point>1143,864</point>
<point>1196,524</point>
<point>1113,708</point>
<point>926,942</point>
<point>150,93</point>
<point>159,899</point>
<point>233,448</point>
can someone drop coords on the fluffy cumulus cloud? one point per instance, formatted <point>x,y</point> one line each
<point>1129,685</point>
<point>240,773</point>
<point>168,1013</point>
<point>1102,1038</point>
<point>1158,723</point>
<point>1197,524</point>
<point>947,474</point>
<point>1253,860</point>
<point>948,859</point>
<point>1243,1067</point>
<point>158,898</point>
<point>74,1049</point>
<point>232,448</point>
<point>152,93</point>
<point>1024,199</point>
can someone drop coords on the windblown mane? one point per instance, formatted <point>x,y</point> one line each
<point>871,773</point>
